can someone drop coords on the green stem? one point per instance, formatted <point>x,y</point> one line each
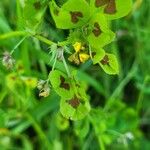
<point>13,34</point>
<point>24,33</point>
<point>141,95</point>
<point>18,44</point>
<point>44,40</point>
<point>63,43</point>
<point>55,60</point>
<point>66,67</point>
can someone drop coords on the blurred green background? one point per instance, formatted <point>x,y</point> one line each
<point>120,115</point>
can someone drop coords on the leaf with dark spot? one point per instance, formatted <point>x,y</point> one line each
<point>74,102</point>
<point>93,54</point>
<point>111,7</point>
<point>63,84</point>
<point>99,3</point>
<point>110,64</point>
<point>97,31</point>
<point>75,16</point>
<point>105,60</point>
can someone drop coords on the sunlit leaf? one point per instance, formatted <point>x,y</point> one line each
<point>74,13</point>
<point>33,11</point>
<point>74,108</point>
<point>110,64</point>
<point>61,84</point>
<point>97,55</point>
<point>113,9</point>
<point>100,34</point>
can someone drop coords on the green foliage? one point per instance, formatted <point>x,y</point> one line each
<point>113,9</point>
<point>33,12</point>
<point>70,15</point>
<point>53,94</point>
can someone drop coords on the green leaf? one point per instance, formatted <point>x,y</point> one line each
<point>113,9</point>
<point>61,84</point>
<point>110,64</point>
<point>82,128</point>
<point>61,122</point>
<point>33,11</point>
<point>100,34</point>
<point>74,108</point>
<point>97,54</point>
<point>73,14</point>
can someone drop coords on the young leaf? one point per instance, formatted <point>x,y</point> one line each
<point>110,64</point>
<point>33,11</point>
<point>61,84</point>
<point>113,9</point>
<point>100,34</point>
<point>74,108</point>
<point>73,14</point>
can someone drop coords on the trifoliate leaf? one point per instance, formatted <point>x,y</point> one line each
<point>73,14</point>
<point>100,34</point>
<point>97,55</point>
<point>110,64</point>
<point>113,9</point>
<point>61,84</point>
<point>74,108</point>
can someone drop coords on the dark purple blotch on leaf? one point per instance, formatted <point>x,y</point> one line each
<point>99,3</point>
<point>96,31</point>
<point>75,15</point>
<point>93,54</point>
<point>74,102</point>
<point>105,60</point>
<point>63,84</point>
<point>110,7</point>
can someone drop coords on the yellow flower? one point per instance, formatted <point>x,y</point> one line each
<point>77,47</point>
<point>83,57</point>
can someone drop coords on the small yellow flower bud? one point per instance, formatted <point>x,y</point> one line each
<point>77,47</point>
<point>83,57</point>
